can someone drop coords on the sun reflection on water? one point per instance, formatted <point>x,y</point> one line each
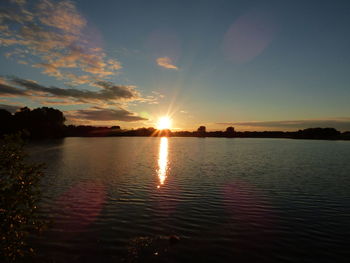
<point>162,160</point>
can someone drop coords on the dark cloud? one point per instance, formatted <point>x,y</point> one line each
<point>10,108</point>
<point>111,90</point>
<point>100,114</point>
<point>338,123</point>
<point>6,90</point>
<point>108,94</point>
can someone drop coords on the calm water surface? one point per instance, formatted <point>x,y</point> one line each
<point>120,199</point>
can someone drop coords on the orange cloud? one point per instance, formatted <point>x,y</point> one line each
<point>52,36</point>
<point>166,62</point>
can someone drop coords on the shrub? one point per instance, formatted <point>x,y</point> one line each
<point>19,197</point>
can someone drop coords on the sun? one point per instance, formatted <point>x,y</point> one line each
<point>164,123</point>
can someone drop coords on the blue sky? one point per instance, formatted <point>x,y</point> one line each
<point>257,65</point>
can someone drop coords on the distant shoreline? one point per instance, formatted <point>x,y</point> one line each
<point>307,134</point>
<point>140,136</point>
<point>44,123</point>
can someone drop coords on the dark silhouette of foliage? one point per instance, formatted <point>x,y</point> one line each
<point>230,131</point>
<point>6,122</point>
<point>38,123</point>
<point>19,197</point>
<point>41,122</point>
<point>345,135</point>
<point>318,133</point>
<point>201,131</point>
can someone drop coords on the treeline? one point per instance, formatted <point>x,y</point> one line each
<point>38,123</point>
<point>49,123</point>
<point>310,133</point>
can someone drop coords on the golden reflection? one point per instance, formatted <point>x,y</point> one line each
<point>162,160</point>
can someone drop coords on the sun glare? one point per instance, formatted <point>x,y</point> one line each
<point>164,123</point>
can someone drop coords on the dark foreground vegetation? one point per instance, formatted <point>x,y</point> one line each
<point>19,201</point>
<point>49,123</point>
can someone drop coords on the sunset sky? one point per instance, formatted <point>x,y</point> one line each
<point>255,65</point>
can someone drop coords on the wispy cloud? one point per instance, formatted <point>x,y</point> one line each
<point>166,62</point>
<point>107,94</point>
<point>10,91</point>
<point>54,36</point>
<point>290,125</point>
<point>101,114</point>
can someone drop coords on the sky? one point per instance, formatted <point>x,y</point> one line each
<point>254,65</point>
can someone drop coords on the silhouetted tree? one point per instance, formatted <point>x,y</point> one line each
<point>6,122</point>
<point>22,119</point>
<point>164,132</point>
<point>41,122</point>
<point>201,131</point>
<point>345,135</point>
<point>230,131</point>
<point>318,133</point>
<point>151,130</point>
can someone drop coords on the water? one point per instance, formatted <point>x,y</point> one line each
<point>264,200</point>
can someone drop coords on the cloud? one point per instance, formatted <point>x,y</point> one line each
<point>338,123</point>
<point>107,96</point>
<point>166,62</point>
<point>100,114</point>
<point>19,2</point>
<point>9,91</point>
<point>54,36</point>
<point>10,108</point>
<point>62,15</point>
<point>108,93</point>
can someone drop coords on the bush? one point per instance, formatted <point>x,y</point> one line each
<point>19,197</point>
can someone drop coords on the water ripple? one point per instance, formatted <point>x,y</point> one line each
<point>225,199</point>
